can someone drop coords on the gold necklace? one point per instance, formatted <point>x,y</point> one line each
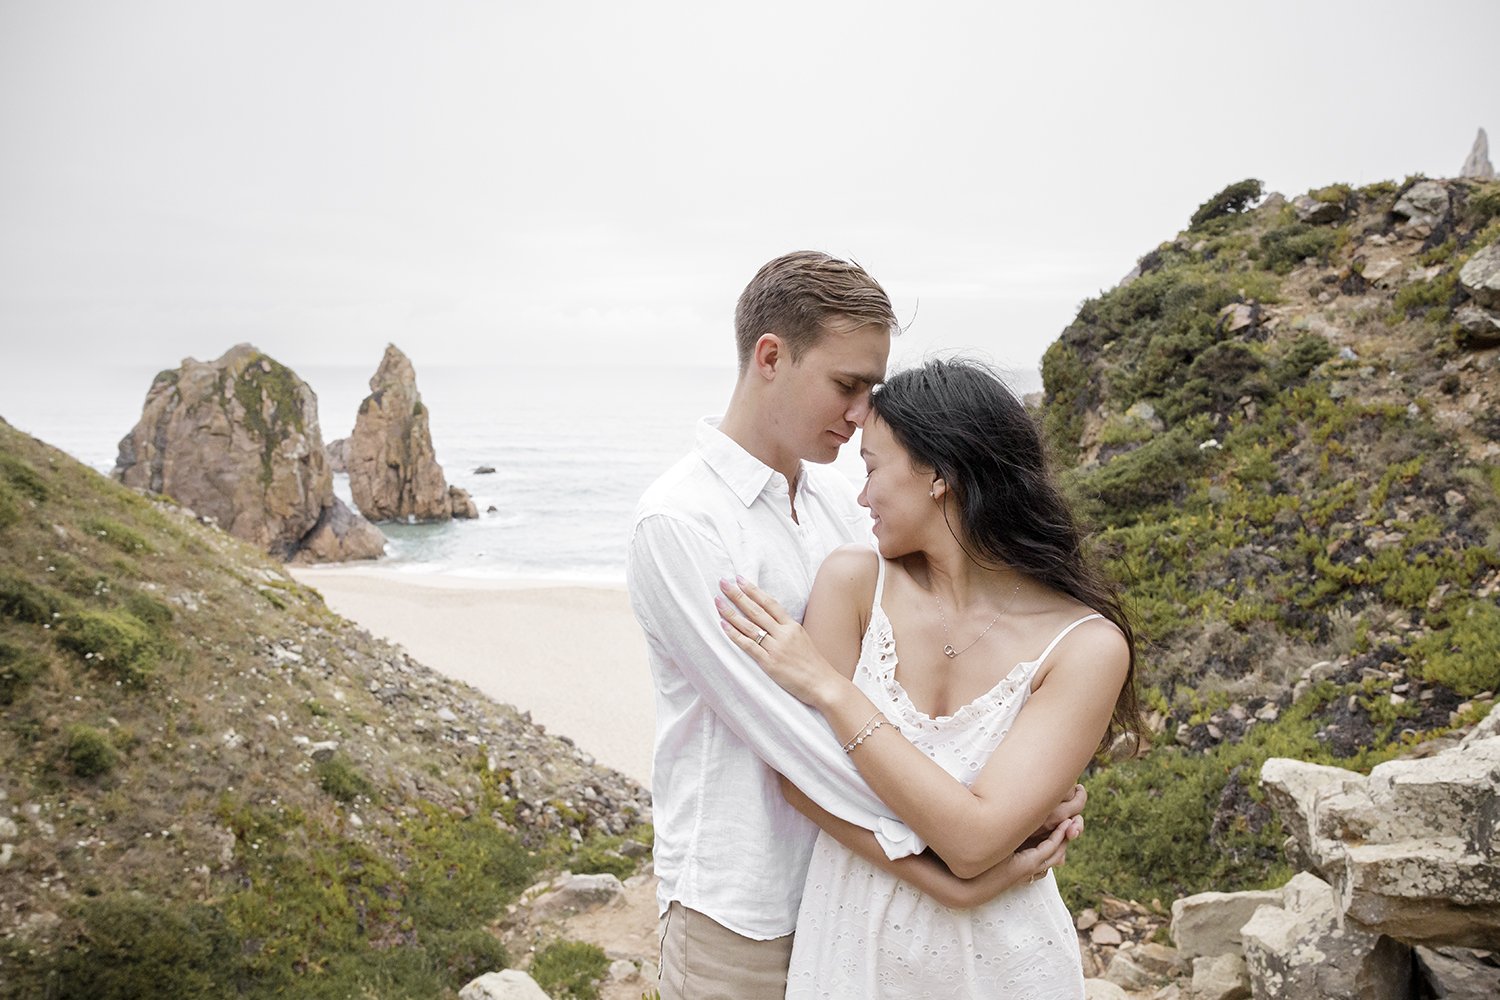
<point>948,649</point>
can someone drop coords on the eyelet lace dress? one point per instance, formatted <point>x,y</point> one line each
<point>863,933</point>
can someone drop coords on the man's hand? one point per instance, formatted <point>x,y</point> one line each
<point>1069,808</point>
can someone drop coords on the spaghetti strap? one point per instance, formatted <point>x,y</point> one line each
<point>1063,635</point>
<point>879,578</point>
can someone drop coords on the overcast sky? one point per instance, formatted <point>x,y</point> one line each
<point>498,182</point>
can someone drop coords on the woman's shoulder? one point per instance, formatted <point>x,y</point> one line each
<point>1078,632</point>
<point>850,570</point>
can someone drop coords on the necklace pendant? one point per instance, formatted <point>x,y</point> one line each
<point>949,651</point>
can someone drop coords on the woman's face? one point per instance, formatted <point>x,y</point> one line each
<point>899,496</point>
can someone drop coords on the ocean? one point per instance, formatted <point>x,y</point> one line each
<point>573,448</point>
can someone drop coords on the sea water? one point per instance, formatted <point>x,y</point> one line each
<point>572,447</point>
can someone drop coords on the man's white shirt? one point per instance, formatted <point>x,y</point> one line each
<point>727,843</point>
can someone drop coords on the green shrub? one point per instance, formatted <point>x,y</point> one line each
<point>463,871</point>
<point>1333,194</point>
<point>89,752</point>
<point>1231,201</point>
<point>18,668</point>
<point>124,946</point>
<point>1466,655</point>
<point>1483,205</point>
<point>26,602</point>
<point>24,477</point>
<point>461,956</point>
<point>1155,472</point>
<point>601,855</point>
<point>338,777</point>
<point>1306,353</point>
<point>570,969</point>
<point>114,642</point>
<point>156,614</point>
<point>1284,248</point>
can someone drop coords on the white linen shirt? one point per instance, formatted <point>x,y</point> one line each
<point>727,843</point>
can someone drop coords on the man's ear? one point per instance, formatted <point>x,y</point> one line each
<point>770,352</point>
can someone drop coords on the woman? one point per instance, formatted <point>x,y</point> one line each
<point>973,666</point>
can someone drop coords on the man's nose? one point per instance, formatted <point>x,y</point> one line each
<point>858,410</point>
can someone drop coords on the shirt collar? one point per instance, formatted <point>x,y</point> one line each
<point>745,475</point>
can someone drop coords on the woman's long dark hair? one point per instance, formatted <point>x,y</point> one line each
<point>958,419</point>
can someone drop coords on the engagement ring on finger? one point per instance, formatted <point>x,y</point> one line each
<point>763,634</point>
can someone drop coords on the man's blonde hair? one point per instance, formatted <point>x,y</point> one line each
<point>795,295</point>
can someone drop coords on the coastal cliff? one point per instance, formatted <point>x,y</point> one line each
<point>1282,422</point>
<point>211,785</point>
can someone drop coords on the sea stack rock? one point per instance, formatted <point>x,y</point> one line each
<point>1477,166</point>
<point>393,472</point>
<point>237,440</point>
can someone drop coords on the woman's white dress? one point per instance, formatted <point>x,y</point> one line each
<point>862,933</point>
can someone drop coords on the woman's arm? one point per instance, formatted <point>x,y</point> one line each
<point>930,875</point>
<point>971,828</point>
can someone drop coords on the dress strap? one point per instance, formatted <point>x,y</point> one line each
<point>879,578</point>
<point>1063,635</point>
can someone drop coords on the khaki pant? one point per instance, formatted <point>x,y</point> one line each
<point>701,959</point>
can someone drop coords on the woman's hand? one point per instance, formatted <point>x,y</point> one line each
<point>756,623</point>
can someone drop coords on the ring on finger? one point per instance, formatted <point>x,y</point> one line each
<point>762,637</point>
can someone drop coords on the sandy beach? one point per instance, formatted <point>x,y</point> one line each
<point>572,655</point>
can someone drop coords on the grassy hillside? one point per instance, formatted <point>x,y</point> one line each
<point>1291,450</point>
<point>215,787</point>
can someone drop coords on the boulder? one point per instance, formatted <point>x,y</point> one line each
<point>1376,269</point>
<point>575,894</point>
<point>1477,165</point>
<point>460,504</point>
<point>1220,977</point>
<point>1413,851</point>
<point>1459,973</point>
<point>1311,210</point>
<point>1301,950</point>
<point>338,455</point>
<point>1481,327</point>
<point>340,535</point>
<point>236,440</point>
<point>1209,923</point>
<point>1424,203</point>
<point>1238,315</point>
<point>1103,989</point>
<point>1480,276</point>
<point>393,472</point>
<point>509,984</point>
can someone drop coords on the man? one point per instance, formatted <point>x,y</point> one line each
<point>812,335</point>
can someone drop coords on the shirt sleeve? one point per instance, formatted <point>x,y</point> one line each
<point>673,573</point>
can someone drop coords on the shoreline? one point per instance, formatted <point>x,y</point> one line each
<point>568,652</point>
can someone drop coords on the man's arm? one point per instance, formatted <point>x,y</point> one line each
<point>673,571</point>
<point>927,872</point>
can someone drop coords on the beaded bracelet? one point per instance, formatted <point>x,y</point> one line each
<point>876,721</point>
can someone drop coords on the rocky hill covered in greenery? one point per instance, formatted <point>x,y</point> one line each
<point>1284,422</point>
<point>212,786</point>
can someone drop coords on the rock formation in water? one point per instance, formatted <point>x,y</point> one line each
<point>1478,166</point>
<point>393,471</point>
<point>237,440</point>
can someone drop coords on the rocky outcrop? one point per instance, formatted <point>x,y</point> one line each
<point>1209,923</point>
<point>237,441</point>
<point>1316,212</point>
<point>1425,204</point>
<point>338,455</point>
<point>393,471</point>
<point>339,536</point>
<point>1477,165</point>
<point>1412,851</point>
<point>1480,277</point>
<point>1303,950</point>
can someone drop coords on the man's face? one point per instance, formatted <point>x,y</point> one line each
<point>824,395</point>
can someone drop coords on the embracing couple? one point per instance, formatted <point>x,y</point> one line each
<point>872,743</point>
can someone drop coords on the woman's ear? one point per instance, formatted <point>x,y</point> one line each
<point>939,488</point>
